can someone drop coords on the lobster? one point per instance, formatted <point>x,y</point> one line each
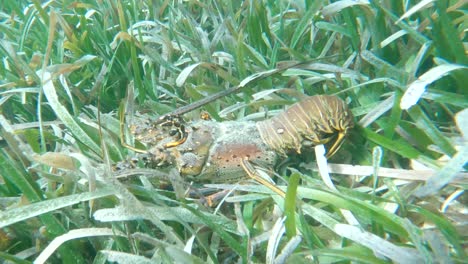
<point>219,152</point>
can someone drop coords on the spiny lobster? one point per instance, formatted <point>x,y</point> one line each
<point>216,152</point>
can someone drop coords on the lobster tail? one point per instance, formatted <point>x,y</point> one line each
<point>315,120</point>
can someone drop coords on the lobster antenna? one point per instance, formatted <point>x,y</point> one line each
<point>244,83</point>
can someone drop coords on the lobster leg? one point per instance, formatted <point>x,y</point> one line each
<point>253,174</point>
<point>122,133</point>
<point>214,199</point>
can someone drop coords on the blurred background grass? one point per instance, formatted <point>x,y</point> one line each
<point>63,62</point>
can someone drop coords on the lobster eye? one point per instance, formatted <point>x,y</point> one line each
<point>173,132</point>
